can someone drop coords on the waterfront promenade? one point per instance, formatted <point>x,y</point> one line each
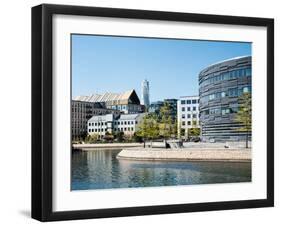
<point>186,154</point>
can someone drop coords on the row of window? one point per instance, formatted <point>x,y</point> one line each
<point>194,123</point>
<point>227,76</point>
<point>232,92</point>
<point>189,101</point>
<point>115,129</point>
<point>126,107</point>
<point>222,110</point>
<point>189,108</point>
<point>189,116</point>
<point>115,123</point>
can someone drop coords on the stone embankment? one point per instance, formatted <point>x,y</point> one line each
<point>89,147</point>
<point>186,154</point>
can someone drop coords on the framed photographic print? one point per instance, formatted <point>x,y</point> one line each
<point>145,112</point>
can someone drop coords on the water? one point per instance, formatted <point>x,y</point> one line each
<point>99,169</point>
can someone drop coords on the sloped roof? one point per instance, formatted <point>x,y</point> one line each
<point>106,97</point>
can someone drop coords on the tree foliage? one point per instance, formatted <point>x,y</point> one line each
<point>244,114</point>
<point>194,132</point>
<point>167,127</point>
<point>148,128</point>
<point>155,126</point>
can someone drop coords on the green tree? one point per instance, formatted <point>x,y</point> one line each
<point>194,132</point>
<point>244,115</point>
<point>166,125</point>
<point>91,138</point>
<point>148,128</point>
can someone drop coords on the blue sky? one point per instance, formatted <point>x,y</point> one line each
<point>117,64</point>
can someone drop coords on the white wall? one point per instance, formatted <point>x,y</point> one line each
<point>15,111</point>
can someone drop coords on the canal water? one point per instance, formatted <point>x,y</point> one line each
<point>99,169</point>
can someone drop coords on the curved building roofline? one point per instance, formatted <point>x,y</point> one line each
<point>234,58</point>
<point>223,61</point>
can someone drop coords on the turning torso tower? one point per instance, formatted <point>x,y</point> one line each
<point>145,93</point>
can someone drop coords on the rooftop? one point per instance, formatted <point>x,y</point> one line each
<point>105,97</point>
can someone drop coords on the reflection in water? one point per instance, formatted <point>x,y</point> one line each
<point>99,169</point>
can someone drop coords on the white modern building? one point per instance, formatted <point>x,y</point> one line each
<point>127,123</point>
<point>188,114</point>
<point>145,93</point>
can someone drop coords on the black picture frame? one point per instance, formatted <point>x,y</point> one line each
<point>42,111</point>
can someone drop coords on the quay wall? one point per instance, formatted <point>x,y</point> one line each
<point>186,154</point>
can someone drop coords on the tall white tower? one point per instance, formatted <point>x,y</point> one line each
<point>145,93</point>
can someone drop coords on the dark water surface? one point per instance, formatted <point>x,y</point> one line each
<point>99,169</point>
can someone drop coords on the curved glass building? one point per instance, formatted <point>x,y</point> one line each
<point>220,86</point>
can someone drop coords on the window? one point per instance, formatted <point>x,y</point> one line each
<point>248,71</point>
<point>183,102</point>
<point>188,115</point>
<point>188,101</point>
<point>125,123</point>
<point>233,108</point>
<point>233,92</point>
<point>188,108</point>
<point>194,101</point>
<point>225,111</point>
<point>223,94</point>
<point>194,116</point>
<point>183,108</point>
<point>183,116</point>
<point>183,123</point>
<point>194,108</point>
<point>189,123</point>
<point>211,96</point>
<point>246,89</point>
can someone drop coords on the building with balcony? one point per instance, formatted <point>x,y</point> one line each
<point>220,86</point>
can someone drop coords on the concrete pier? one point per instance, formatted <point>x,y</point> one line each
<point>186,154</point>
